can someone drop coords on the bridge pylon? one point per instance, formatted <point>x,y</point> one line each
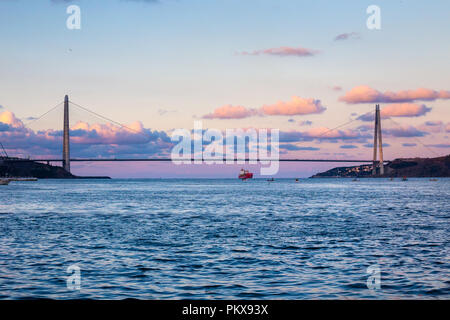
<point>377,139</point>
<point>66,136</point>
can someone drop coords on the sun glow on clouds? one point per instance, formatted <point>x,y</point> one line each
<point>7,117</point>
<point>231,112</point>
<point>108,140</point>
<point>283,52</point>
<point>90,140</point>
<point>399,110</point>
<point>366,94</point>
<point>297,106</point>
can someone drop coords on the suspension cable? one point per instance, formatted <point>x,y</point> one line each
<point>343,125</point>
<point>4,150</point>
<point>415,138</point>
<point>43,115</point>
<point>109,120</point>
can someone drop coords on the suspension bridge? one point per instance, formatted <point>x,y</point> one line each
<point>377,161</point>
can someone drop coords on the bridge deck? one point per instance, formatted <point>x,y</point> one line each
<point>192,159</point>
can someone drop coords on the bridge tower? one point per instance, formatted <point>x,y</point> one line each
<point>66,137</point>
<point>377,139</point>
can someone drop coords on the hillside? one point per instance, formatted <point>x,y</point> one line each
<point>12,168</point>
<point>408,167</point>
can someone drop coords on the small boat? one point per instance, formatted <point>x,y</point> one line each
<point>4,182</point>
<point>404,179</point>
<point>356,179</point>
<point>433,179</point>
<point>296,180</point>
<point>271,179</point>
<point>245,174</point>
<point>391,179</point>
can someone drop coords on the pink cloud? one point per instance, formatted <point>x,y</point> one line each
<point>87,140</point>
<point>231,112</point>
<point>297,106</point>
<point>326,133</point>
<point>283,52</point>
<point>404,110</point>
<point>404,132</point>
<point>85,133</point>
<point>7,117</point>
<point>346,36</point>
<point>432,126</point>
<point>399,110</point>
<point>323,134</point>
<point>366,94</point>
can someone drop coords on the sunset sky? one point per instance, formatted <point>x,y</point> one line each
<point>302,67</point>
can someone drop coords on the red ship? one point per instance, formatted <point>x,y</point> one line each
<point>245,174</point>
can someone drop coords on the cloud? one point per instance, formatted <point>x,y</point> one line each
<point>283,52</point>
<point>404,132</point>
<point>337,88</point>
<point>305,123</point>
<point>366,94</point>
<point>433,126</point>
<point>347,36</point>
<point>323,134</point>
<point>297,106</point>
<point>293,147</point>
<point>409,144</point>
<point>370,145</point>
<point>404,110</point>
<point>7,117</point>
<point>439,145</point>
<point>399,110</point>
<point>326,133</point>
<point>231,112</point>
<point>348,146</point>
<point>162,112</point>
<point>87,140</point>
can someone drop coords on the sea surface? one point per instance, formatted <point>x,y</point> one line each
<point>225,239</point>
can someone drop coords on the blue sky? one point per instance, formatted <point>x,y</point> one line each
<point>168,63</point>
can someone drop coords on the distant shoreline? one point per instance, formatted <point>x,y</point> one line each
<point>438,167</point>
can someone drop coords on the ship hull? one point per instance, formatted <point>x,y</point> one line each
<point>246,176</point>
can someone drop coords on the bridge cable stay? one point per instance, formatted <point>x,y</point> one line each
<point>138,132</point>
<point>416,139</point>
<point>4,150</point>
<point>345,124</point>
<point>42,115</point>
<point>141,133</point>
<point>29,122</point>
<point>107,119</point>
<point>126,127</point>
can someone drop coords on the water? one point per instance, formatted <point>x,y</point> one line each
<point>225,239</point>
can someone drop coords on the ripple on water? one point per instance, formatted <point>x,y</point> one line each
<point>181,239</point>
